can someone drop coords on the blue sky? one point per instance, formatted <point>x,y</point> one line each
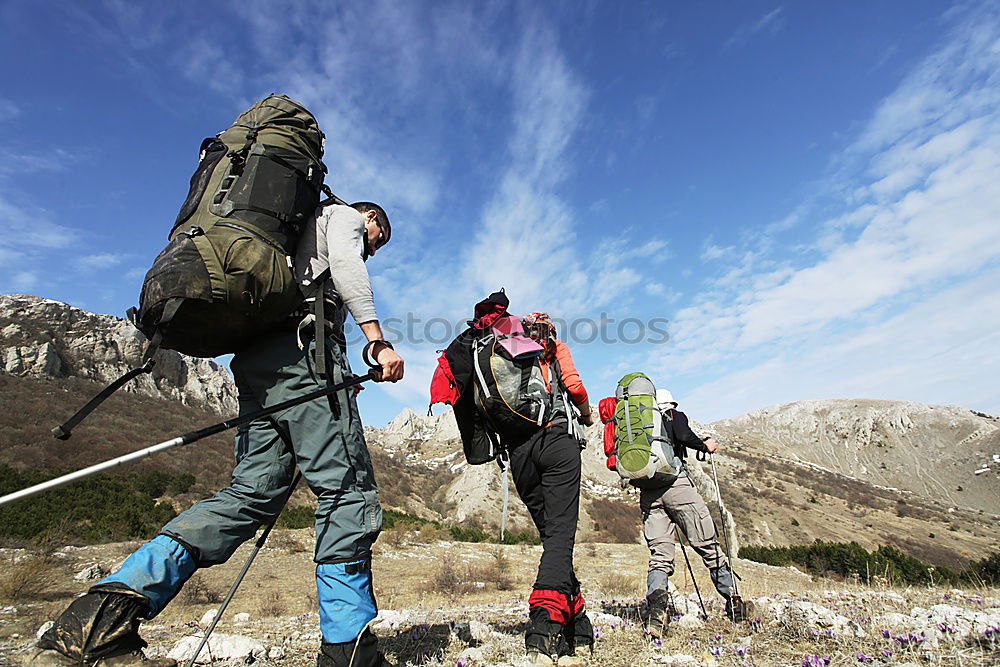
<point>806,191</point>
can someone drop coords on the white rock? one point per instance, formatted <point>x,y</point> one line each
<point>219,647</point>
<point>89,574</point>
<point>689,621</point>
<point>473,631</point>
<point>678,659</point>
<point>43,629</point>
<point>208,617</point>
<point>276,653</point>
<point>242,617</point>
<point>896,620</point>
<point>808,616</point>
<point>472,655</point>
<point>605,620</point>
<point>390,619</point>
<point>958,623</point>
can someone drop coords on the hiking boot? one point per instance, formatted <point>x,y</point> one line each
<point>579,658</point>
<point>661,608</point>
<point>738,609</point>
<point>544,640</point>
<point>578,642</point>
<point>51,658</point>
<point>362,652</point>
<point>99,628</point>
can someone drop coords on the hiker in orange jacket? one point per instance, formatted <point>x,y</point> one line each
<point>546,473</point>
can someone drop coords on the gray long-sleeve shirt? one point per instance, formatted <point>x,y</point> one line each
<point>335,239</point>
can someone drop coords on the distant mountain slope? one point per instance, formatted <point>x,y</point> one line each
<point>932,450</point>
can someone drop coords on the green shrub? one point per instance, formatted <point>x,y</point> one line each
<point>521,537</point>
<point>846,559</point>
<point>299,516</point>
<point>98,509</point>
<point>462,534</point>
<point>984,572</point>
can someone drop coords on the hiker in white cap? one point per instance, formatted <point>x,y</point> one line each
<point>678,504</point>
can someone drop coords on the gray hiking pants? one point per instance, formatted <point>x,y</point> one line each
<point>324,437</point>
<point>678,505</point>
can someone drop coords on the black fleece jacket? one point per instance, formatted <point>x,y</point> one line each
<point>676,424</point>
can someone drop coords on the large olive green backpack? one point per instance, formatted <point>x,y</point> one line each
<point>645,455</point>
<point>226,275</point>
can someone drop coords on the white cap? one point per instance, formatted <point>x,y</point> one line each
<point>665,400</point>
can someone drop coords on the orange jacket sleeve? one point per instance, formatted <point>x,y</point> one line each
<point>571,377</point>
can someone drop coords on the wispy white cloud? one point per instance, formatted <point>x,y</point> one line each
<point>98,262</point>
<point>922,215</point>
<point>24,281</point>
<point>938,351</point>
<point>711,252</point>
<point>771,22</point>
<point>8,109</point>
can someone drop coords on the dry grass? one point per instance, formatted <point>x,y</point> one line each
<point>28,578</point>
<point>619,585</point>
<point>272,605</point>
<point>449,581</point>
<point>198,591</point>
<point>289,542</point>
<point>411,578</point>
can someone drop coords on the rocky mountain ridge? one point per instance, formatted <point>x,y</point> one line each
<point>44,338</point>
<point>933,451</point>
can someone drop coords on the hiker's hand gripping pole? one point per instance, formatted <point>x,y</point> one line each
<point>374,373</point>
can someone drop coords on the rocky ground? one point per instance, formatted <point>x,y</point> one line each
<point>446,603</point>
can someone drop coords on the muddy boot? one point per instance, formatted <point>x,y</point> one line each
<point>100,628</point>
<point>360,653</point>
<point>578,642</point>
<point>738,609</point>
<point>544,641</point>
<point>661,608</point>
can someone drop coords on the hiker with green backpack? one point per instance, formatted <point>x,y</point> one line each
<point>226,283</point>
<point>517,399</point>
<point>646,440</point>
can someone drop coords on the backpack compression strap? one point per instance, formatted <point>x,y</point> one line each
<point>316,292</point>
<point>65,430</point>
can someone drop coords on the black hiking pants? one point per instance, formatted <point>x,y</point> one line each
<point>546,472</point>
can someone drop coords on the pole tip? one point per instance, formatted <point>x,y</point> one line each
<point>60,433</point>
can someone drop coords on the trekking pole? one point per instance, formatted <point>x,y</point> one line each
<point>193,436</point>
<point>725,529</point>
<point>701,602</point>
<point>243,572</point>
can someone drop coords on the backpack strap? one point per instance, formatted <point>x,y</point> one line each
<point>65,430</point>
<point>503,460</point>
<point>628,420</point>
<point>317,292</point>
